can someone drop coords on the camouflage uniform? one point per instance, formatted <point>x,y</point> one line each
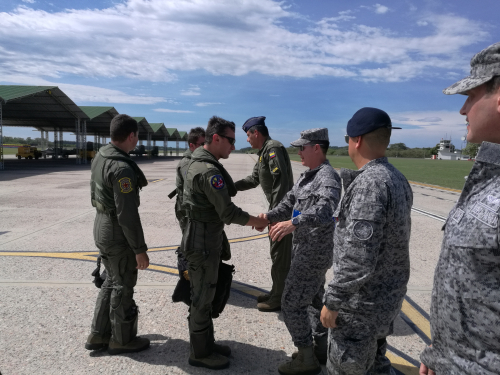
<point>181,171</point>
<point>207,198</point>
<point>371,267</point>
<point>115,184</point>
<point>465,310</point>
<point>312,200</point>
<point>273,172</point>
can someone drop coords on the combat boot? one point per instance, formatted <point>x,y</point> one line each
<point>304,364</point>
<point>320,349</point>
<point>218,348</point>
<point>213,361</point>
<point>136,345</point>
<point>96,342</point>
<point>269,305</point>
<point>263,297</point>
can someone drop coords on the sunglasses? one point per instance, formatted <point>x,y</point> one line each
<point>232,141</point>
<point>301,147</point>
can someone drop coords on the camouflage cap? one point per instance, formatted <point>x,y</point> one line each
<point>317,135</point>
<point>483,67</point>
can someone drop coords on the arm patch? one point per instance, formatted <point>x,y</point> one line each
<point>125,185</point>
<point>217,182</point>
<point>363,230</point>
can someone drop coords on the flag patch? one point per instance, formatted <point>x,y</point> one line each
<point>217,182</point>
<point>272,155</point>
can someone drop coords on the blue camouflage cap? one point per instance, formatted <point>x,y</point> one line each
<point>316,135</point>
<point>368,119</point>
<point>253,121</point>
<point>483,66</point>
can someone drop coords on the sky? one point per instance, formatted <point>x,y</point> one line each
<point>301,63</point>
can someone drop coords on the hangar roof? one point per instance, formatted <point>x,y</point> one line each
<point>42,107</point>
<point>100,118</point>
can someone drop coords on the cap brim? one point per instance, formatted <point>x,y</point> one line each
<point>300,142</point>
<point>466,84</point>
<point>395,127</point>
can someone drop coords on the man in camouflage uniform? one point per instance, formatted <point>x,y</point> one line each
<point>115,184</point>
<point>307,212</point>
<point>196,138</point>
<point>465,309</point>
<point>273,172</point>
<point>208,189</point>
<point>371,260</point>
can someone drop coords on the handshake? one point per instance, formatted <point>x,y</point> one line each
<point>276,230</point>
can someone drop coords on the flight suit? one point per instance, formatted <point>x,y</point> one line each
<point>273,172</point>
<point>313,201</point>
<point>207,198</point>
<point>181,171</point>
<point>465,308</point>
<point>371,267</point>
<point>115,184</point>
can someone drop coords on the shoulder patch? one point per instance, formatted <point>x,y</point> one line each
<point>275,169</point>
<point>125,185</point>
<point>272,155</point>
<point>217,182</point>
<point>260,159</point>
<point>362,230</point>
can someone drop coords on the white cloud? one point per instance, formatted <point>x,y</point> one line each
<point>28,1</point>
<point>82,93</point>
<point>154,40</point>
<point>426,128</point>
<point>192,91</point>
<point>171,110</point>
<point>381,9</point>
<point>206,104</point>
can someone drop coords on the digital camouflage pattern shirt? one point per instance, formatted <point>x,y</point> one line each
<point>465,309</point>
<point>371,262</point>
<point>313,200</point>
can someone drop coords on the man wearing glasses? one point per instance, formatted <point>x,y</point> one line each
<point>371,260</point>
<point>273,172</point>
<point>208,189</point>
<point>310,205</point>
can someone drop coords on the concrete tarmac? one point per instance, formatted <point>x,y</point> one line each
<point>47,257</point>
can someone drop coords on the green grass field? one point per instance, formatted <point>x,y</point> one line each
<point>445,173</point>
<point>9,151</point>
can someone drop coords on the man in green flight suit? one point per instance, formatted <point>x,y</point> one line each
<point>115,184</point>
<point>273,172</point>
<point>208,189</point>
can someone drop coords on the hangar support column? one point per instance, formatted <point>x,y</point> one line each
<point>61,142</point>
<point>56,144</point>
<point>177,147</point>
<point>164,146</point>
<point>84,141</point>
<point>78,142</point>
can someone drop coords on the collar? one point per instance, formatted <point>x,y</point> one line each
<point>489,153</point>
<point>111,149</point>
<point>263,146</point>
<point>201,153</point>
<point>349,175</point>
<point>310,172</point>
<point>187,153</point>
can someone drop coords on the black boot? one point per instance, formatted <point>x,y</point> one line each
<point>202,351</point>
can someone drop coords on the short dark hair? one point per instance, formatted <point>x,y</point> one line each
<point>324,147</point>
<point>217,125</point>
<point>379,137</point>
<point>262,129</point>
<point>492,85</point>
<point>121,126</point>
<point>195,134</point>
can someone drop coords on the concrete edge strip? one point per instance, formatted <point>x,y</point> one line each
<point>434,186</point>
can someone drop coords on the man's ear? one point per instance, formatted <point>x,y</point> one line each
<point>498,100</point>
<point>359,141</point>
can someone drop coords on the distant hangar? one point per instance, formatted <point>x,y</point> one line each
<point>48,108</point>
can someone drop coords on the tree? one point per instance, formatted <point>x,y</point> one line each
<point>435,149</point>
<point>398,146</point>
<point>471,149</point>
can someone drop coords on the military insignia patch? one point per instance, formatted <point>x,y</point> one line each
<point>492,202</point>
<point>275,169</point>
<point>217,182</point>
<point>458,215</point>
<point>363,230</point>
<point>272,155</point>
<point>484,215</point>
<point>260,159</point>
<point>125,184</point>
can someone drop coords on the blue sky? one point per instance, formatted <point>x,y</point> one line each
<point>302,64</point>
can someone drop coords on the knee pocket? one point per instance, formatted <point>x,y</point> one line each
<point>352,356</point>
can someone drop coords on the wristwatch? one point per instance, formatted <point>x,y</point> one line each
<point>295,221</point>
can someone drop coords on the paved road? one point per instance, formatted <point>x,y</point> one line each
<point>47,255</point>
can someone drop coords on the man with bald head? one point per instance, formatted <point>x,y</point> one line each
<point>371,260</point>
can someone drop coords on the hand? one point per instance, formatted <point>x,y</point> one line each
<point>424,370</point>
<point>258,223</point>
<point>280,230</point>
<point>328,317</point>
<point>262,216</point>
<point>142,261</point>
